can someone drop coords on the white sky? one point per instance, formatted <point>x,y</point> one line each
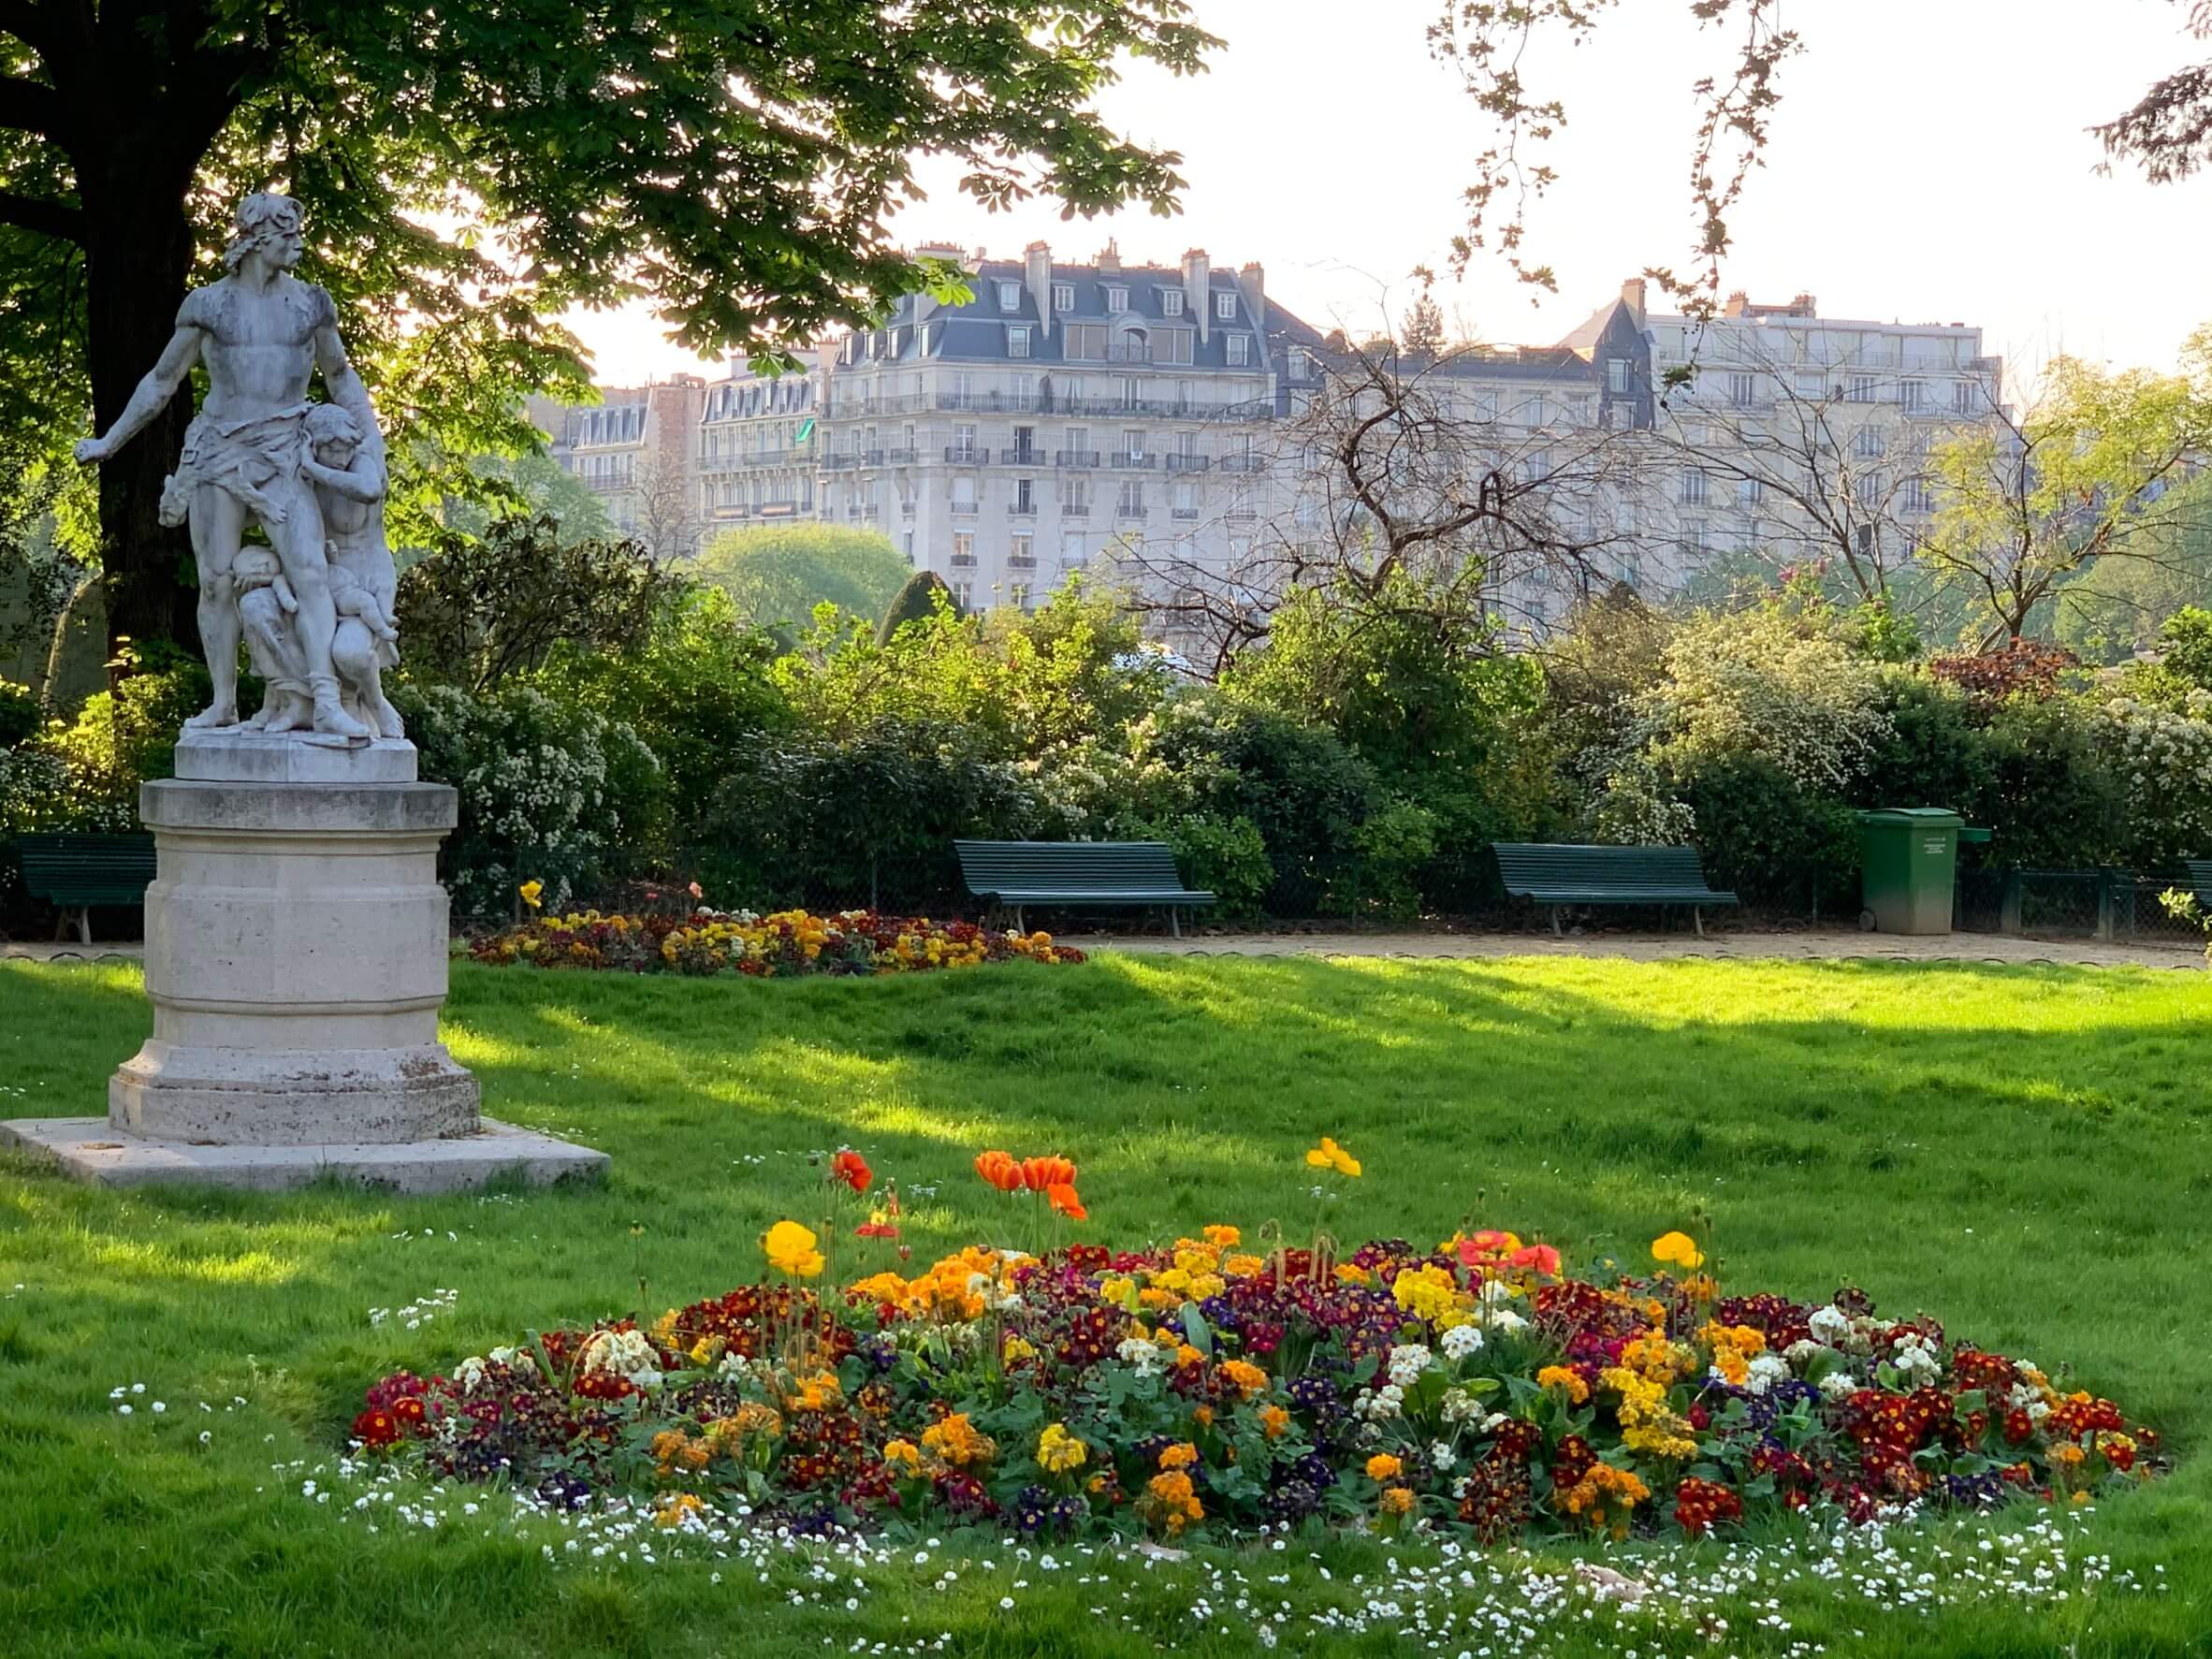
<point>1928,164</point>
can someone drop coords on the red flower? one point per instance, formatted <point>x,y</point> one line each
<point>377,1428</point>
<point>1000,1170</point>
<point>1540,1259</point>
<point>1061,1196</point>
<point>852,1169</point>
<point>875,1230</point>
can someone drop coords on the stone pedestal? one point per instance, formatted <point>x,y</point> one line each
<point>295,957</point>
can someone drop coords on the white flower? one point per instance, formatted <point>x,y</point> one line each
<point>1801,1353</point>
<point>1508,1320</point>
<point>1764,1372</point>
<point>1495,1292</point>
<point>1376,1404</point>
<point>468,1374</point>
<point>1837,1384</point>
<point>625,1354</point>
<point>1461,1341</point>
<point>1441,1455</point>
<point>503,1356</point>
<point>1143,1355</point>
<point>1408,1362</point>
<point>1830,1325</point>
<point>1458,1406</point>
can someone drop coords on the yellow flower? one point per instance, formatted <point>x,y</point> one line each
<point>1224,1237</point>
<point>1330,1156</point>
<point>1244,1267</point>
<point>672,1506</point>
<point>904,1455</point>
<point>1678,1248</point>
<point>1273,1421</point>
<point>531,892</point>
<point>1244,1376</point>
<point>1059,1453</point>
<point>1397,1500</point>
<point>1383,1466</point>
<point>1179,1456</point>
<point>1570,1382</point>
<point>792,1249</point>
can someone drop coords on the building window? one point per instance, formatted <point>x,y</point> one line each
<point>1862,389</point>
<point>1063,297</point>
<point>1867,489</point>
<point>1132,444</point>
<point>1240,350</point>
<point>1010,297</point>
<point>1910,395</point>
<point>1131,503</point>
<point>1225,306</point>
<point>1171,345</point>
<point>1023,555</point>
<point>1748,491</point>
<point>964,549</point>
<point>1743,390</point>
<point>1298,363</point>
<point>964,593</point>
<point>1117,299</point>
<point>1025,497</point>
<point>1692,490</point>
<point>964,442</point>
<point>1868,443</point>
<point>1617,376</point>
<point>1075,496</point>
<point>1171,303</point>
<point>1962,396</point>
<point>1017,342</point>
<point>1087,342</point>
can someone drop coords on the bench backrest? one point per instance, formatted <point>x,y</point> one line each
<point>1092,866</point>
<point>2200,873</point>
<point>1625,869</point>
<point>80,868</point>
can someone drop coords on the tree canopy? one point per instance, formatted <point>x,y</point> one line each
<point>469,172</point>
<point>778,573</point>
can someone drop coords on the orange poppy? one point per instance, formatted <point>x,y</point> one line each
<point>852,1169</point>
<point>1061,1196</point>
<point>1000,1170</point>
<point>1542,1258</point>
<point>1042,1174</point>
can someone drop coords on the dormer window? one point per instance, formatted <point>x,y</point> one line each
<point>1225,307</point>
<point>1017,342</point>
<point>1117,299</point>
<point>1171,303</point>
<point>1240,347</point>
<point>1010,297</point>
<point>1063,297</point>
<point>1298,363</point>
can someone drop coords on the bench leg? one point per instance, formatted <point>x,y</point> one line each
<point>1174,921</point>
<point>1555,933</point>
<point>1697,919</point>
<point>85,926</point>
<point>1019,925</point>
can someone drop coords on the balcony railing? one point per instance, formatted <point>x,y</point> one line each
<point>992,402</point>
<point>1238,515</point>
<point>963,509</point>
<point>1128,510</point>
<point>1183,461</point>
<point>1075,509</point>
<point>1187,512</point>
<point>1021,562</point>
<point>1075,458</point>
<point>1242,464</point>
<point>963,562</point>
<point>1021,509</point>
<point>966,455</point>
<point>1130,459</point>
<point>901,458</point>
<point>1019,457</point>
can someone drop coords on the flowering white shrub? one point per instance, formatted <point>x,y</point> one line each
<point>2164,759</point>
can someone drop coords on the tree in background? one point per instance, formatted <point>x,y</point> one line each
<point>919,598</point>
<point>776,573</point>
<point>735,167</point>
<point>540,488</point>
<point>2030,504</point>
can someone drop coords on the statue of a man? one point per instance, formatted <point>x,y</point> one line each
<point>261,333</point>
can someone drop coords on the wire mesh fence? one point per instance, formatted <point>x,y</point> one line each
<point>2119,906</point>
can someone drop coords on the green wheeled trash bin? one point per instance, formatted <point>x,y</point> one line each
<point>1908,861</point>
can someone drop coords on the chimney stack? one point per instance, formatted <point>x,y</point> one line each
<point>1252,283</point>
<point>1198,283</point>
<point>1037,271</point>
<point>1108,261</point>
<point>1632,296</point>
<point>1738,304</point>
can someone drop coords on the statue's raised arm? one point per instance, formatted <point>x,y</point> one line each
<point>152,394</point>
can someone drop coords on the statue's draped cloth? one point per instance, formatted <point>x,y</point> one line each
<point>240,457</point>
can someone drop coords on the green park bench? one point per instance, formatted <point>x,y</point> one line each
<point>1556,876</point>
<point>75,872</point>
<point>1085,874</point>
<point>2199,877</point>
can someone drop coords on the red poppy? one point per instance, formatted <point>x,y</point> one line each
<point>1061,1196</point>
<point>1000,1170</point>
<point>1541,1259</point>
<point>875,1230</point>
<point>1042,1174</point>
<point>852,1169</point>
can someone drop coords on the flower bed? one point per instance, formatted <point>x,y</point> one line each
<point>707,941</point>
<point>1216,1384</point>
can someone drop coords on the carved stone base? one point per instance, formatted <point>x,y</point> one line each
<point>217,1096</point>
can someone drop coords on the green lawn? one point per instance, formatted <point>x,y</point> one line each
<point>2024,1152</point>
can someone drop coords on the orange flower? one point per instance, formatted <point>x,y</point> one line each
<point>1000,1170</point>
<point>1062,1198</point>
<point>852,1169</point>
<point>1540,1259</point>
<point>1042,1174</point>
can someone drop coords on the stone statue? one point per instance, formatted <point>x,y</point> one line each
<point>261,333</point>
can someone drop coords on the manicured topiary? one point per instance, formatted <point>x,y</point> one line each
<point>917,601</point>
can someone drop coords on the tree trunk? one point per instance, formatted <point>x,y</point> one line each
<point>138,260</point>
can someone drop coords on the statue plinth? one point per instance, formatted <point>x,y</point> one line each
<point>296,941</point>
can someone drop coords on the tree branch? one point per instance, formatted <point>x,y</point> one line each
<point>32,106</point>
<point>37,213</point>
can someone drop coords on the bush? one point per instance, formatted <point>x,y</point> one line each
<point>1389,849</point>
<point>777,574</point>
<point>2054,800</point>
<point>550,791</point>
<point>125,737</point>
<point>1226,857</point>
<point>1775,842</point>
<point>20,715</point>
<point>2165,762</point>
<point>924,594</point>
